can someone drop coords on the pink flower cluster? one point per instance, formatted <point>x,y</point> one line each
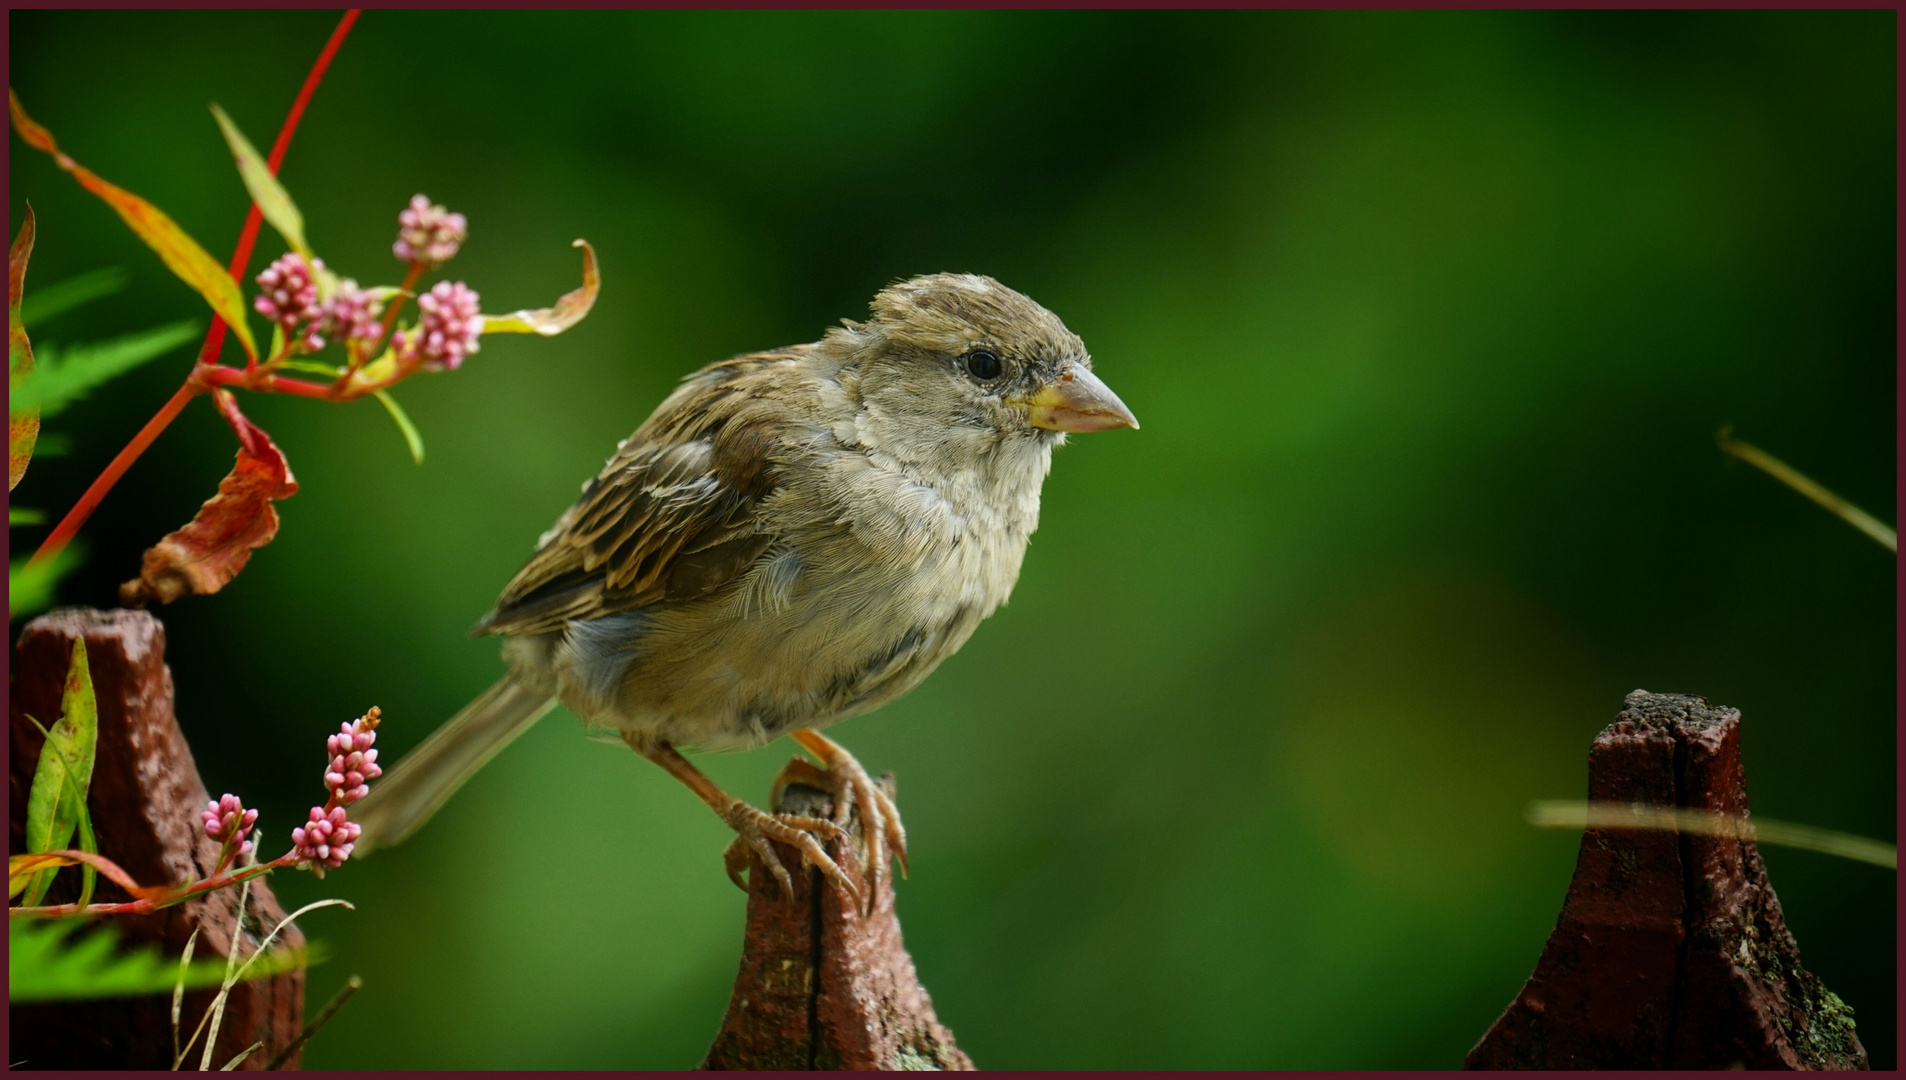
<point>427,233</point>
<point>353,762</point>
<point>448,330</point>
<point>228,822</point>
<point>448,324</point>
<point>352,314</point>
<point>327,838</point>
<point>290,299</point>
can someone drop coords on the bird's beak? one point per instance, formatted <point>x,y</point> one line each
<point>1078,401</point>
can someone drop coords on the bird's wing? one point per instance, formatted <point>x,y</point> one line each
<point>673,516</point>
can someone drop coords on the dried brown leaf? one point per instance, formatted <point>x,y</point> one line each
<point>215,545</point>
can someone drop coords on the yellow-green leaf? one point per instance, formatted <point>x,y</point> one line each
<point>412,437</point>
<point>23,427</point>
<point>88,843</point>
<point>567,311</point>
<point>374,372</point>
<point>274,202</point>
<point>180,253</point>
<point>21,868</point>
<point>312,366</point>
<point>58,796</point>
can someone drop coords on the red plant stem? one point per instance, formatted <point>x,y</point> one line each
<point>69,525</point>
<point>248,236</point>
<point>62,534</point>
<point>311,81</point>
<point>259,382</point>
<point>147,905</point>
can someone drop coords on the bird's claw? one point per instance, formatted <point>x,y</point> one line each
<point>853,790</point>
<point>755,828</point>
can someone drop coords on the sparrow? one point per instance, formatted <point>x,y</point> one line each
<point>794,537</point>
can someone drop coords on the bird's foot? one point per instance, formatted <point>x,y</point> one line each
<point>853,790</point>
<point>755,828</point>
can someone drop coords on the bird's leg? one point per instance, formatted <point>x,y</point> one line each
<point>753,828</point>
<point>879,818</point>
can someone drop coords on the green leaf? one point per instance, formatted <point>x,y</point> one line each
<point>71,293</point>
<point>16,883</point>
<point>30,588</point>
<point>23,422</point>
<point>21,515</point>
<point>53,444</point>
<point>161,895</point>
<point>180,253</point>
<point>65,375</point>
<point>57,799</point>
<point>412,437</point>
<point>53,960</point>
<point>311,366</point>
<point>567,311</point>
<point>372,372</point>
<point>89,876</point>
<point>274,202</point>
<point>21,869</point>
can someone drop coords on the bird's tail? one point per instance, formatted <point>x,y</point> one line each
<point>405,797</point>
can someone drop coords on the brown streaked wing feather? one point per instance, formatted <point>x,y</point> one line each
<point>672,516</point>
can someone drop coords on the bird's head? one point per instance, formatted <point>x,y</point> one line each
<point>969,362</point>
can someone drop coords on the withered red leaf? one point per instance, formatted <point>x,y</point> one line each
<point>215,545</point>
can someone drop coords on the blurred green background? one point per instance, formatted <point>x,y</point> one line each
<point>1430,319</point>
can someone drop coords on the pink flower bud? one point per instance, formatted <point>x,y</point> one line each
<point>352,315</point>
<point>327,838</point>
<point>427,233</point>
<point>290,299</point>
<point>227,821</point>
<point>448,329</point>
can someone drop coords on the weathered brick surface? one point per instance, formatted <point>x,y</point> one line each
<point>145,800</point>
<point>1670,951</point>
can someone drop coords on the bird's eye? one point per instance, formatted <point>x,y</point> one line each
<point>984,364</point>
